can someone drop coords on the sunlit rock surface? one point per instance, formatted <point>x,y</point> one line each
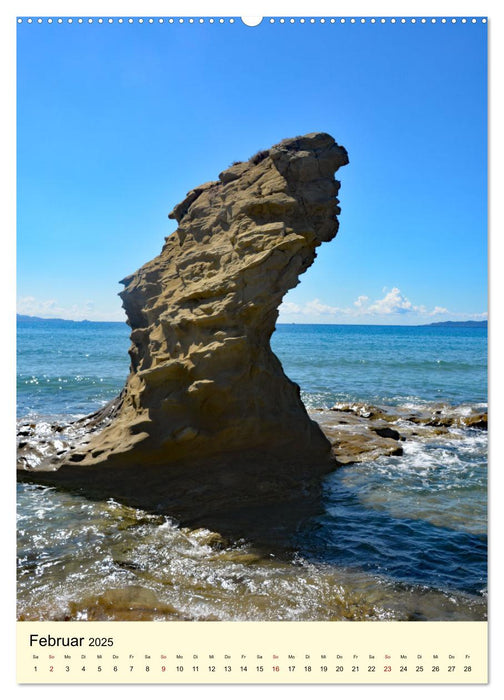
<point>208,422</point>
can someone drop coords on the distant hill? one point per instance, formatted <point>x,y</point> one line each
<point>459,324</point>
<point>23,318</point>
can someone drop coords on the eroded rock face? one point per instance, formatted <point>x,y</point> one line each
<point>207,412</point>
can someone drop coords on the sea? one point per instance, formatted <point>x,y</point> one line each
<point>399,538</point>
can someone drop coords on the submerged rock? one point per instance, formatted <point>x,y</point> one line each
<point>208,422</point>
<point>128,603</point>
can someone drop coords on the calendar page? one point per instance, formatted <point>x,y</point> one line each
<point>251,347</point>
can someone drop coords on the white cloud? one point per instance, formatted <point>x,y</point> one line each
<point>438,310</point>
<point>33,307</point>
<point>472,317</point>
<point>394,302</point>
<point>51,308</point>
<point>288,307</point>
<point>317,308</point>
<point>392,306</point>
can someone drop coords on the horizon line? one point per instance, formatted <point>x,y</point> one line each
<point>280,323</point>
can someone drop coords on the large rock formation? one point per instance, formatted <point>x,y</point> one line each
<point>208,421</point>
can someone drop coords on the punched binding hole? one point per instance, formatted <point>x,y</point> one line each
<point>252,21</point>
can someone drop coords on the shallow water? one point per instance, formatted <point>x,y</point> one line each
<point>398,538</point>
<point>81,559</point>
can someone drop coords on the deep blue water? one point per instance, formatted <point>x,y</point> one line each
<point>384,364</point>
<point>73,368</point>
<point>416,520</point>
<point>68,368</point>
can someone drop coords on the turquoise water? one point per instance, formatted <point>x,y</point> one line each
<point>402,537</point>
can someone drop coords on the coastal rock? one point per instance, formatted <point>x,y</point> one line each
<point>361,432</point>
<point>358,438</point>
<point>208,422</point>
<point>386,432</point>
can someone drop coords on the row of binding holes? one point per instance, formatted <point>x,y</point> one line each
<point>282,20</point>
<point>121,20</point>
<point>373,20</point>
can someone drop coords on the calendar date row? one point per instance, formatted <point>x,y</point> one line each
<point>148,668</point>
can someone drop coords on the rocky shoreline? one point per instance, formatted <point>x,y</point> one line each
<point>361,432</point>
<point>357,432</point>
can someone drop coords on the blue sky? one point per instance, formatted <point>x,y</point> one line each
<point>116,122</point>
